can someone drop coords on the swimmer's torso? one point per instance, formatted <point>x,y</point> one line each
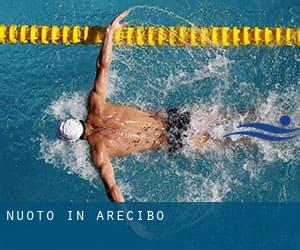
<point>124,130</point>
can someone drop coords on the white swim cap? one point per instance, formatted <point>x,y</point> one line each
<point>70,130</point>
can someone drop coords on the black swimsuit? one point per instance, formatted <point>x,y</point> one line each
<point>177,124</point>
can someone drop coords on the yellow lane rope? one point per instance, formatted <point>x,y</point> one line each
<point>152,35</point>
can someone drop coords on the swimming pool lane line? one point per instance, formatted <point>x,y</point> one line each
<point>152,35</point>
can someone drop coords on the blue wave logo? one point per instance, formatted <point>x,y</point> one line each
<point>279,133</point>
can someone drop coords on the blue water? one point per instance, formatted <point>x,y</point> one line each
<point>42,84</point>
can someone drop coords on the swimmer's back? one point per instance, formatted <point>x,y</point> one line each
<point>126,130</point>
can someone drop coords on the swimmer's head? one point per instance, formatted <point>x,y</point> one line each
<point>70,130</point>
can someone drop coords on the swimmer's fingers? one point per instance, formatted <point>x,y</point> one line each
<point>122,16</point>
<point>122,25</point>
<point>115,24</point>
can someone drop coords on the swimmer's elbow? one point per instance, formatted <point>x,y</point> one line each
<point>105,63</point>
<point>99,163</point>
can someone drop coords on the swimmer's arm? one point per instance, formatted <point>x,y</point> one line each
<point>105,56</point>
<point>103,164</point>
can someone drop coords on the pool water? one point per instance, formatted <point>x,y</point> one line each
<point>43,84</point>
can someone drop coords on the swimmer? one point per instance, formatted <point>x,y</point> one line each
<point>114,130</point>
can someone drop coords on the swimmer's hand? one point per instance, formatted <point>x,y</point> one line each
<point>115,24</point>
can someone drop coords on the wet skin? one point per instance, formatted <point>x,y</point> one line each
<point>113,129</point>
<point>123,130</point>
<point>118,130</point>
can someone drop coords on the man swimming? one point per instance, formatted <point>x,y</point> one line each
<point>117,130</point>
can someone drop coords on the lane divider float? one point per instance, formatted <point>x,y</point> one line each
<point>152,35</point>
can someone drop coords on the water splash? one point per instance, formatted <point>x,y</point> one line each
<point>74,158</point>
<point>193,185</point>
<point>214,84</point>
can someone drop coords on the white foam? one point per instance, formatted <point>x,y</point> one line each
<point>214,118</point>
<point>174,182</point>
<point>271,110</point>
<point>68,105</point>
<point>72,157</point>
<point>216,121</point>
<point>213,188</point>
